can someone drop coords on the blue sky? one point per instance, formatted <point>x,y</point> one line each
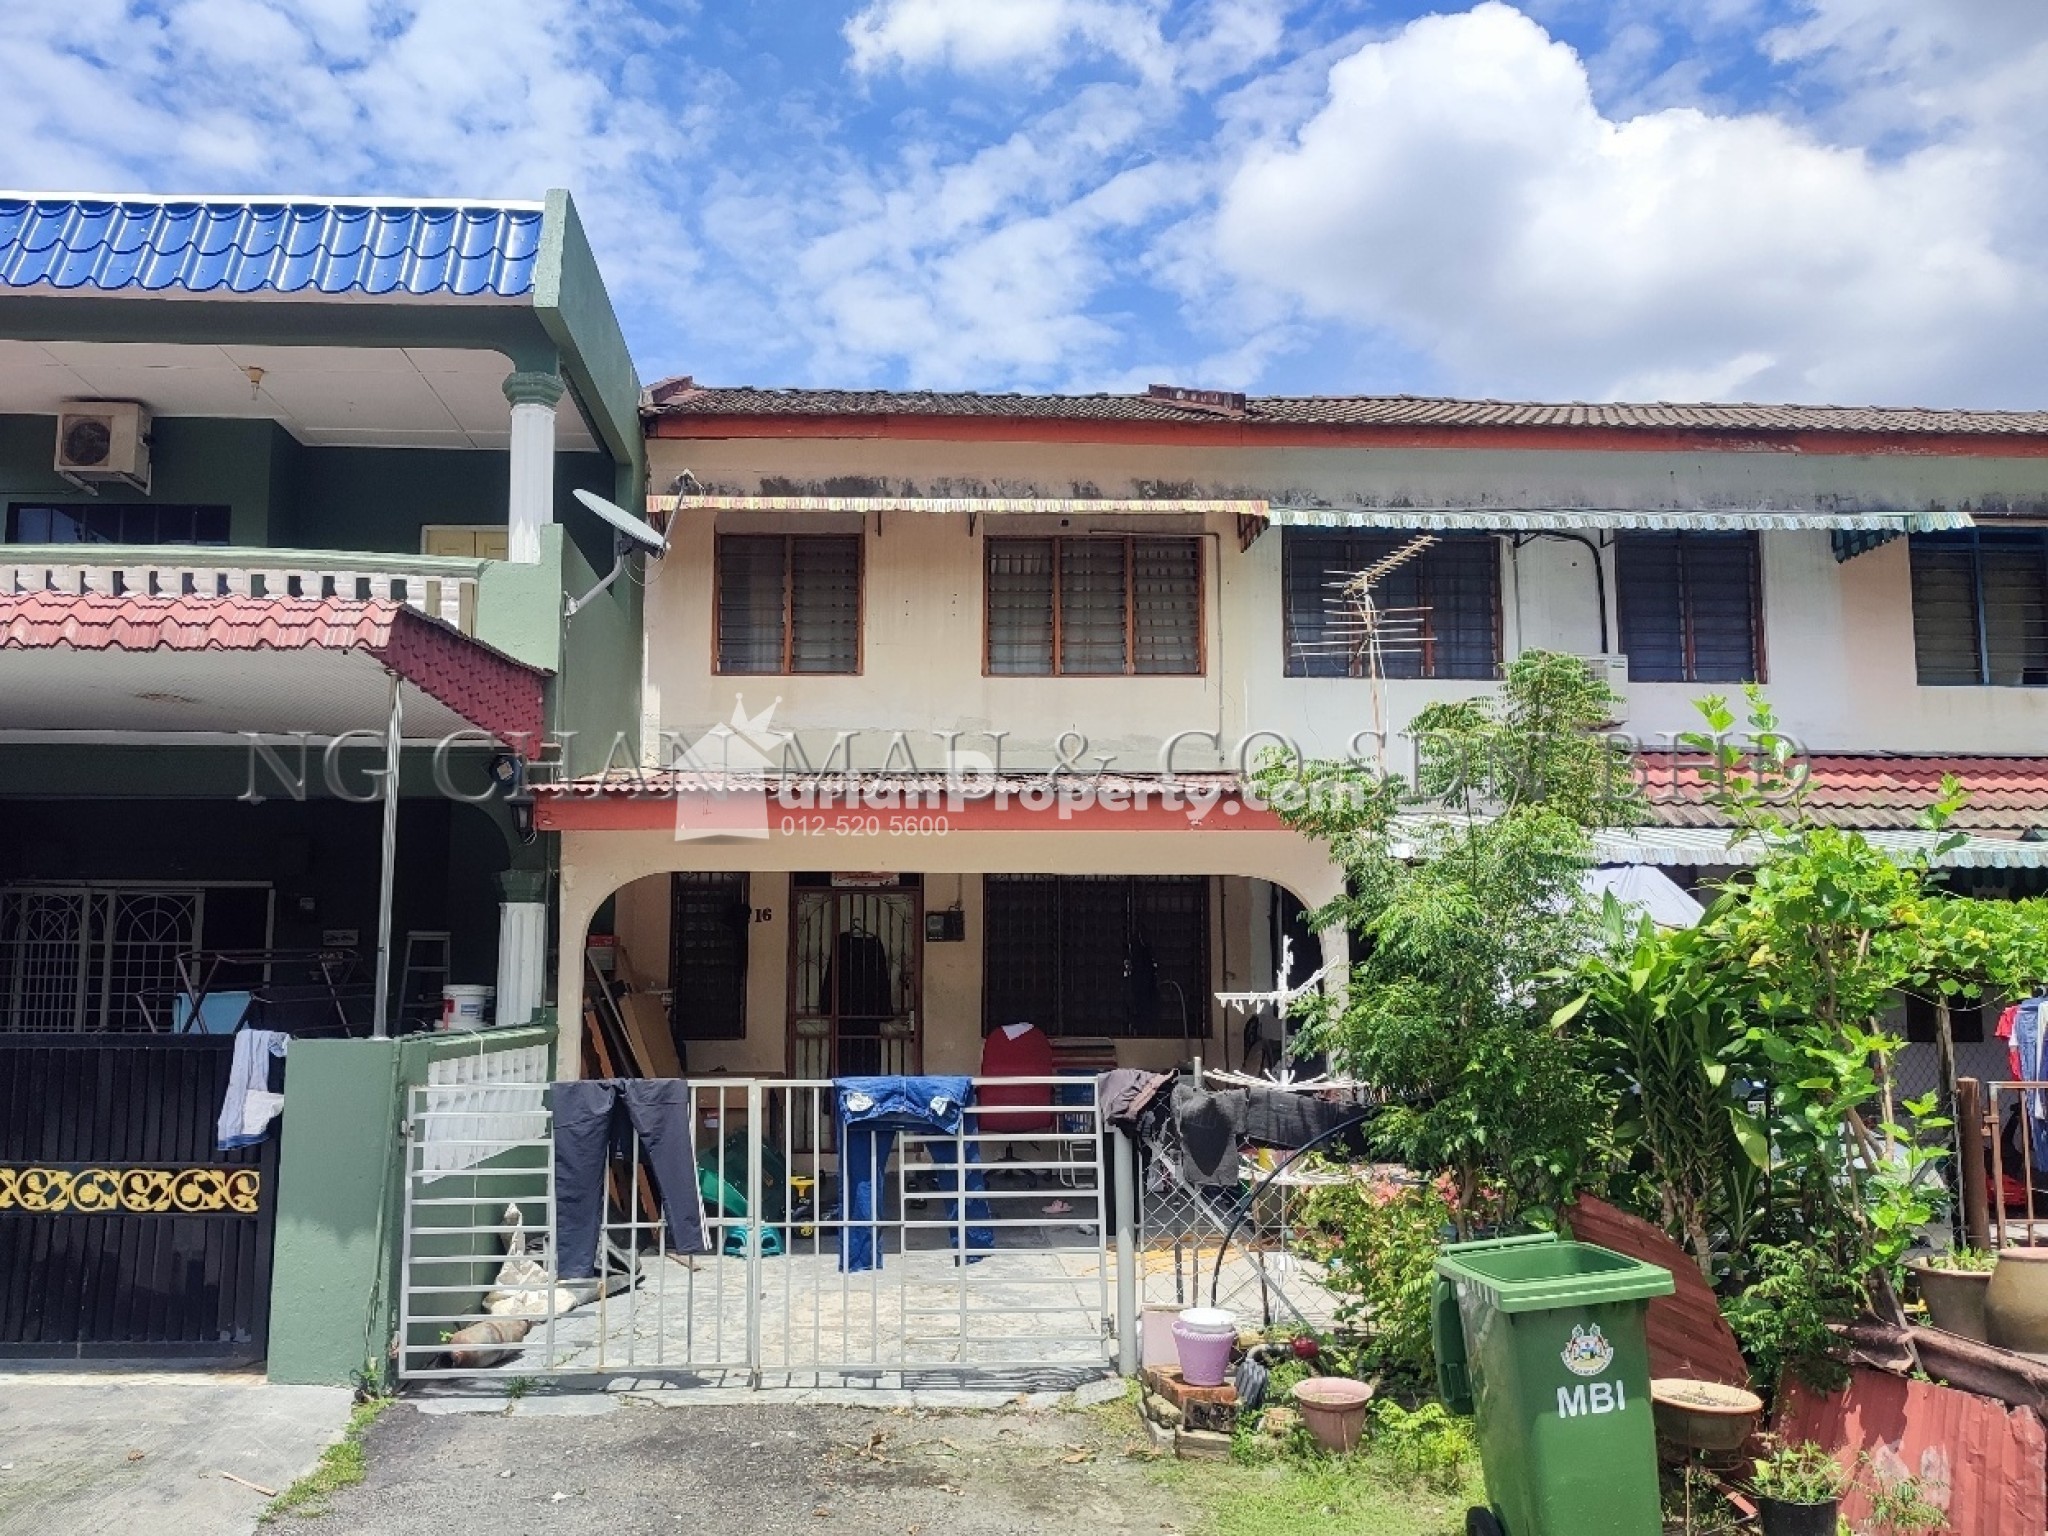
<point>1585,199</point>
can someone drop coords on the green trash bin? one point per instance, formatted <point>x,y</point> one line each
<point>1543,1341</point>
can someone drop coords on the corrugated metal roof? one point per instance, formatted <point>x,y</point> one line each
<point>1687,1335</point>
<point>1481,519</point>
<point>229,246</point>
<point>684,398</point>
<point>1981,1464</point>
<point>1533,519</point>
<point>1710,848</point>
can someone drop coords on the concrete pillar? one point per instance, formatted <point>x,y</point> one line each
<point>522,944</point>
<point>1336,943</point>
<point>531,506</point>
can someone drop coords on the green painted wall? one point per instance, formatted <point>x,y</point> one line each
<point>284,495</point>
<point>597,695</point>
<point>340,1221</point>
<point>193,459</point>
<point>570,301</point>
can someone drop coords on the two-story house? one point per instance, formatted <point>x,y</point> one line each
<point>280,482</point>
<point>1135,594</point>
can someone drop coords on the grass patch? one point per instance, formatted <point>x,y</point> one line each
<point>342,1465</point>
<point>1288,1495</point>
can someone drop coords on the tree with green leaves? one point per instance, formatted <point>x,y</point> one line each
<point>1464,895</point>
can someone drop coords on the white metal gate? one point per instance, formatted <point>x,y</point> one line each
<point>770,1304</point>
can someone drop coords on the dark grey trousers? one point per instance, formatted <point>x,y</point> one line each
<point>589,1128</point>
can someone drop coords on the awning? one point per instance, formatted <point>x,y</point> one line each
<point>1599,520</point>
<point>1711,848</point>
<point>223,666</point>
<point>1052,505</point>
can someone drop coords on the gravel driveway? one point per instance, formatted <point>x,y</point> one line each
<point>753,1470</point>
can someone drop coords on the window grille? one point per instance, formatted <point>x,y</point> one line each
<point>1097,955</point>
<point>1455,582</point>
<point>788,604</point>
<point>1094,607</point>
<point>1690,607</point>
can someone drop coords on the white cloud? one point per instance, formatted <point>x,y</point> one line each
<point>981,36</point>
<point>1459,188</point>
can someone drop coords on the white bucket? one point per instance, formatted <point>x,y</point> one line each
<point>1209,1320</point>
<point>463,1007</point>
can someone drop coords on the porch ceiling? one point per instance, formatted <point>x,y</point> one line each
<point>382,397</point>
<point>151,666</point>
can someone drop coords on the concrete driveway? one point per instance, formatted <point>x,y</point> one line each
<point>87,1453</point>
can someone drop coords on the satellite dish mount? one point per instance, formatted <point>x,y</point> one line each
<point>630,536</point>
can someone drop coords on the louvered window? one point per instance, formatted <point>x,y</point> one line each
<point>1690,606</point>
<point>788,603</point>
<point>708,917</point>
<point>1094,607</point>
<point>1980,609</point>
<point>1439,612</point>
<point>1097,955</point>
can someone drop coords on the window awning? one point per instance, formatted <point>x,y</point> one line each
<point>1596,520</point>
<point>1055,506</point>
<point>1711,847</point>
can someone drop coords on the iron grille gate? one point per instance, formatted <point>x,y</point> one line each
<point>123,1232</point>
<point>769,1304</point>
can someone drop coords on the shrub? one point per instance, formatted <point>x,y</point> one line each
<point>1379,1246</point>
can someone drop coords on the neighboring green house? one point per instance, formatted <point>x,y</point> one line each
<point>266,469</point>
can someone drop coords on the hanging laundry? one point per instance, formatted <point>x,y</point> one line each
<point>591,1120</point>
<point>249,1107</point>
<point>871,1110</point>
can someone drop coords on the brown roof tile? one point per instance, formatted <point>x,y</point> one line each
<point>683,397</point>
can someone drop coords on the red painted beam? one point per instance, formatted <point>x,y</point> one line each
<point>1075,810</point>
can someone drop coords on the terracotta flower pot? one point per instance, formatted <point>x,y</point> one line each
<point>1703,1415</point>
<point>2016,1302</point>
<point>1333,1408</point>
<point>1954,1297</point>
<point>1781,1519</point>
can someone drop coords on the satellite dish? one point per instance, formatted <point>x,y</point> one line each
<point>625,523</point>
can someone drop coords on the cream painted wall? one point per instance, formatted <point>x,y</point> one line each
<point>1837,636</point>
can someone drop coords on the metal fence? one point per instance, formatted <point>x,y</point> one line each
<point>771,1302</point>
<point>2015,1123</point>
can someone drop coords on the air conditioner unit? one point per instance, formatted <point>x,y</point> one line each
<point>1613,671</point>
<point>101,440</point>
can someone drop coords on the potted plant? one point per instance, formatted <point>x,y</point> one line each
<point>1799,1490</point>
<point>1953,1285</point>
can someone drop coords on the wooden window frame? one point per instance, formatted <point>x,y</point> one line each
<point>1130,542</point>
<point>1687,636</point>
<point>1353,672</point>
<point>785,669</point>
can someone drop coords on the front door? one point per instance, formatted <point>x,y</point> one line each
<point>855,982</point>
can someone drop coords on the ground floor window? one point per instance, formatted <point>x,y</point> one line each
<point>708,916</point>
<point>1097,955</point>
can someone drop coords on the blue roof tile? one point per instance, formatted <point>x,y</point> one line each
<point>275,247</point>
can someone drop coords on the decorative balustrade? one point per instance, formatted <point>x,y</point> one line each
<point>436,585</point>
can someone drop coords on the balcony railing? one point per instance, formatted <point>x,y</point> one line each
<point>441,586</point>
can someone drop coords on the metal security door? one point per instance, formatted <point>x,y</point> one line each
<point>123,1232</point>
<point>856,964</point>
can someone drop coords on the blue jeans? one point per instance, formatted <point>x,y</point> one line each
<point>871,1110</point>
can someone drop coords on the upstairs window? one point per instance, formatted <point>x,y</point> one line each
<point>1690,607</point>
<point>1094,607</point>
<point>1980,609</point>
<point>118,523</point>
<point>1441,609</point>
<point>788,603</point>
